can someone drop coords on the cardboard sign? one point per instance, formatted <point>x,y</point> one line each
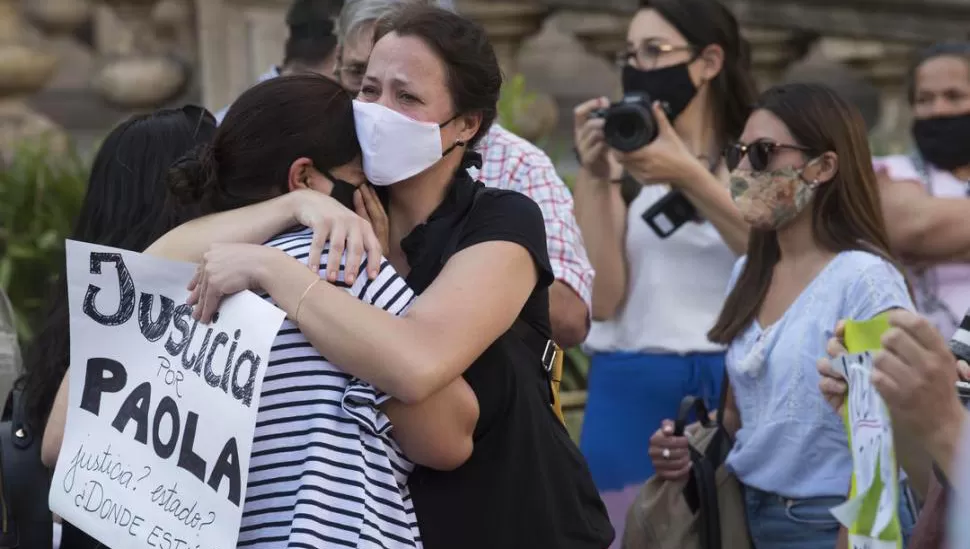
<point>161,408</point>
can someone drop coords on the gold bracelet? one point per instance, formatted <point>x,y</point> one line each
<point>299,305</point>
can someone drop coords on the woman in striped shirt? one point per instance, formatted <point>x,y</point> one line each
<point>324,471</point>
<point>479,261</point>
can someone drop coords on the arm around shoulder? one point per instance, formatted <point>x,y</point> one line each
<point>438,431</point>
<point>464,311</point>
<point>251,224</point>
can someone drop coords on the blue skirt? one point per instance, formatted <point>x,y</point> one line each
<point>629,395</point>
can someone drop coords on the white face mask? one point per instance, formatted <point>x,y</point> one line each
<point>395,147</point>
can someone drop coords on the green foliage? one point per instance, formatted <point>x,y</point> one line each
<point>40,194</point>
<point>514,100</point>
<point>575,370</point>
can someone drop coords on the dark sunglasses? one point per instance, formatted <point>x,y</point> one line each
<point>759,154</point>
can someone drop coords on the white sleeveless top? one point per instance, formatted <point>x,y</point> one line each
<point>675,287</point>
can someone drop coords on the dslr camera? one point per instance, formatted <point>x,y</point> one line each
<point>630,124</point>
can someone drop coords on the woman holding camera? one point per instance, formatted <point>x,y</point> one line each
<point>655,297</point>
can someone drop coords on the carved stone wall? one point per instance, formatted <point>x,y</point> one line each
<point>872,42</point>
<point>238,41</point>
<point>564,47</point>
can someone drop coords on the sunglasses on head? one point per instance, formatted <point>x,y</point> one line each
<point>759,154</point>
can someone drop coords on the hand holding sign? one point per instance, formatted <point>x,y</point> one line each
<point>225,270</point>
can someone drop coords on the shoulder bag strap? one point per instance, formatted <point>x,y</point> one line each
<point>543,347</point>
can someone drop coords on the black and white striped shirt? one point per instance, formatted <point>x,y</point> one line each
<point>324,470</point>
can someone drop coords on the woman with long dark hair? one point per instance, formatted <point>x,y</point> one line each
<point>429,95</point>
<point>654,297</point>
<point>124,207</point>
<point>818,253</point>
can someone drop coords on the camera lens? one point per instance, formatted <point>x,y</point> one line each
<point>629,127</point>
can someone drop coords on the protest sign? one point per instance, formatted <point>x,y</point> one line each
<point>872,511</point>
<point>161,408</point>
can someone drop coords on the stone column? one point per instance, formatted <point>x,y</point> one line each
<point>174,23</point>
<point>136,72</point>
<point>508,24</point>
<point>24,70</point>
<point>58,17</point>
<point>237,42</point>
<point>886,65</point>
<point>603,34</point>
<point>771,53</point>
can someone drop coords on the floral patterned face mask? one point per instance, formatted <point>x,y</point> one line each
<point>769,200</point>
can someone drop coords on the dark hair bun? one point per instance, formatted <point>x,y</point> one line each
<point>192,177</point>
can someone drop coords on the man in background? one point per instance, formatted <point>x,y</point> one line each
<point>312,43</point>
<point>509,162</point>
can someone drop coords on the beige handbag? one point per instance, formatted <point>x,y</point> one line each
<point>706,511</point>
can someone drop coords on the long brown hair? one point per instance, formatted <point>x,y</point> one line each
<point>846,213</point>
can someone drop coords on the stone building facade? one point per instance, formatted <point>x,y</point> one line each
<point>82,65</point>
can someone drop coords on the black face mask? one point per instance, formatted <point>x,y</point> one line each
<point>671,85</point>
<point>342,192</point>
<point>945,141</point>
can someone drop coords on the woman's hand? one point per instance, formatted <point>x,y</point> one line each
<point>344,229</point>
<point>670,456</point>
<point>665,160</point>
<point>369,207</point>
<point>227,269</point>
<point>594,154</point>
<point>833,386</point>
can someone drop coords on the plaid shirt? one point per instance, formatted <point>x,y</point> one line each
<point>511,162</point>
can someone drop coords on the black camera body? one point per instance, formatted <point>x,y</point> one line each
<point>630,124</point>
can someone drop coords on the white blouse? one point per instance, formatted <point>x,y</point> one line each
<point>675,287</point>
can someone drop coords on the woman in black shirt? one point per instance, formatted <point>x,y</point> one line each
<point>478,258</point>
